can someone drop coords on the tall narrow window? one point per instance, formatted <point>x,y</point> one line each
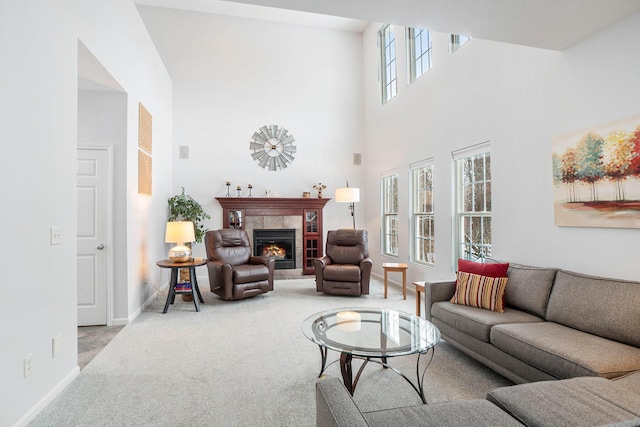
<point>418,52</point>
<point>457,40</point>
<point>389,193</point>
<point>423,222</point>
<point>473,210</point>
<point>387,42</point>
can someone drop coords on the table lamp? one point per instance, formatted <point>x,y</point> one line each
<point>180,232</point>
<point>349,195</point>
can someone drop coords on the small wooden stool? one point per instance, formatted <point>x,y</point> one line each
<point>419,288</point>
<point>399,267</point>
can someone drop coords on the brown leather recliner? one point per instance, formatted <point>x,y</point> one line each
<point>346,267</point>
<point>233,272</point>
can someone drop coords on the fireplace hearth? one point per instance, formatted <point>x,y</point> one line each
<point>277,243</point>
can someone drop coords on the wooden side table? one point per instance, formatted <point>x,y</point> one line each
<point>175,266</point>
<point>397,267</point>
<point>419,288</point>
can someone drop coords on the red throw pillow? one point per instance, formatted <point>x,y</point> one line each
<point>488,270</point>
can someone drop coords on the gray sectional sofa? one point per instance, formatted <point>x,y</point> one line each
<point>576,402</point>
<point>556,324</point>
<point>573,339</point>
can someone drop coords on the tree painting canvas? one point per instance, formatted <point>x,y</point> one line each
<point>596,176</point>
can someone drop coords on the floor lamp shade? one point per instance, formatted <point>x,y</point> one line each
<point>180,232</point>
<point>349,195</point>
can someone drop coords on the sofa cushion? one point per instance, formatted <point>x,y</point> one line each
<point>472,413</point>
<point>493,269</point>
<point>477,322</point>
<point>605,307</point>
<point>529,288</point>
<point>584,401</point>
<point>480,291</point>
<point>565,352</point>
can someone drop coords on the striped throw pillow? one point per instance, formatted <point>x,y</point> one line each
<point>480,291</point>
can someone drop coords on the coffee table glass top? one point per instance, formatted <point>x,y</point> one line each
<point>371,332</point>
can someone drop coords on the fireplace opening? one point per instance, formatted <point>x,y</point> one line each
<point>277,243</point>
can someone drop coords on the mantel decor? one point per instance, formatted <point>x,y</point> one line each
<point>236,209</point>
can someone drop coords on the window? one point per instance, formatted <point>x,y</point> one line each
<point>389,193</point>
<point>473,205</point>
<point>387,42</point>
<point>418,52</point>
<point>456,40</point>
<point>422,222</point>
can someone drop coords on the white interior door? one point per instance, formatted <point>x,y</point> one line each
<point>93,178</point>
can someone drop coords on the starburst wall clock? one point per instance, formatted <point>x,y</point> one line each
<point>272,147</point>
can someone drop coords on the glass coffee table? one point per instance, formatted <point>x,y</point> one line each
<point>372,335</point>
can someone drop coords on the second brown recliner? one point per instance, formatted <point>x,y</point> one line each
<point>346,267</point>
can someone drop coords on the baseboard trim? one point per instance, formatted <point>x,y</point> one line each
<point>52,394</point>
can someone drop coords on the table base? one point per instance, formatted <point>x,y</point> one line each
<point>350,382</point>
<point>195,290</point>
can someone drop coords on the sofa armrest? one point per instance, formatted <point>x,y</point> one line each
<point>335,406</point>
<point>435,292</point>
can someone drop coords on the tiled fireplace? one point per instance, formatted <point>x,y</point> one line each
<point>302,215</point>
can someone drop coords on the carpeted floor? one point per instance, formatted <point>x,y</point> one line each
<point>243,363</point>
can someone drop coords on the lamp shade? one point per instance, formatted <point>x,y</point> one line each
<point>348,194</point>
<point>180,232</point>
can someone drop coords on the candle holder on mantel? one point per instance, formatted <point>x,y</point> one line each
<point>250,187</point>
<point>228,189</point>
<point>239,189</point>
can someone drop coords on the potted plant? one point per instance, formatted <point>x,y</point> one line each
<point>183,207</point>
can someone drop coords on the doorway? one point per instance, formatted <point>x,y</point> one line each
<point>93,235</point>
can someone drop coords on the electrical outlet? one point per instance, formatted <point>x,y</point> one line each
<point>28,365</point>
<point>56,344</point>
<point>56,235</point>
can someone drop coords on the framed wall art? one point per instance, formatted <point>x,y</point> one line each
<point>596,176</point>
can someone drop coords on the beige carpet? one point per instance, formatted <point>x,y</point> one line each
<point>243,363</point>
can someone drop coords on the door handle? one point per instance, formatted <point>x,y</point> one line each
<point>100,247</point>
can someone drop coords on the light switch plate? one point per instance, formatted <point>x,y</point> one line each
<point>56,235</point>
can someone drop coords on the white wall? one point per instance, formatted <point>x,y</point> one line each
<point>116,36</point>
<point>517,98</point>
<point>38,134</point>
<point>39,111</point>
<point>232,76</point>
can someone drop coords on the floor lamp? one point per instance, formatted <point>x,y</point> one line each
<point>349,195</point>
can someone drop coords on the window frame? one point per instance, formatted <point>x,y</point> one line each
<point>389,213</point>
<point>472,227</point>
<point>412,55</point>
<point>457,40</point>
<point>422,195</point>
<point>388,71</point>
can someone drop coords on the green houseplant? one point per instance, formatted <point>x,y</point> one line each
<point>183,207</point>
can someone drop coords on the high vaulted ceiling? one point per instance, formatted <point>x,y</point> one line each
<point>548,24</point>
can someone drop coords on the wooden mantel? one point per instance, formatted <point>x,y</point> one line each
<point>235,210</point>
<point>271,206</point>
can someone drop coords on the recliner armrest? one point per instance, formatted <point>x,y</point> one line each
<point>324,261</point>
<point>435,292</point>
<point>365,261</point>
<point>265,260</point>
